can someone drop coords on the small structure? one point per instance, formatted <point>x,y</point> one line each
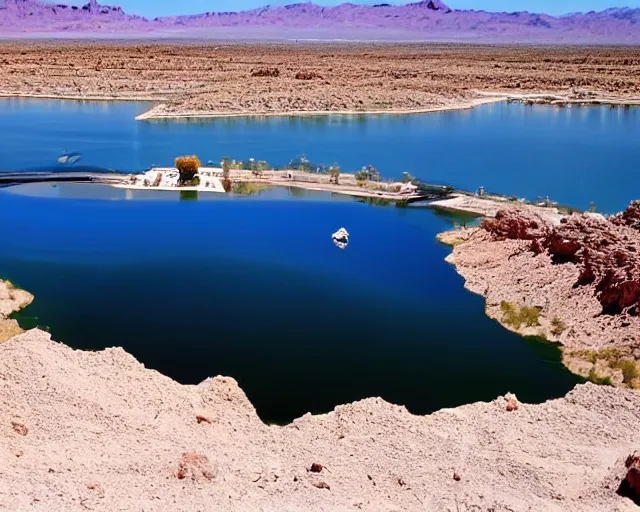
<point>210,180</point>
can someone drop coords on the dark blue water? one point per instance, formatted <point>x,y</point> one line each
<point>574,155</point>
<point>254,288</point>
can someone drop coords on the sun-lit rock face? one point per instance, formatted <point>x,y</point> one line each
<point>100,429</point>
<point>606,253</point>
<point>427,19</point>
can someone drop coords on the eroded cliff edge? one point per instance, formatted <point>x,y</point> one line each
<point>12,299</point>
<point>97,431</point>
<point>571,279</point>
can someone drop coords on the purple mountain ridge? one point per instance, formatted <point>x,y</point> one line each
<point>428,20</point>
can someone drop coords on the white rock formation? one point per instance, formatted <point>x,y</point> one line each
<point>341,238</point>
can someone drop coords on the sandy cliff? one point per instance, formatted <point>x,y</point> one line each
<point>98,431</point>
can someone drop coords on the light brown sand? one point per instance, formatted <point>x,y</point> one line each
<point>97,431</point>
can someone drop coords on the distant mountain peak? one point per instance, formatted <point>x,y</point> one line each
<point>423,20</point>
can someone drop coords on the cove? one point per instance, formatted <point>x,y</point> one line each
<point>254,288</point>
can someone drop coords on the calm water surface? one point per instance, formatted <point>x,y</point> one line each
<point>574,155</point>
<point>253,287</point>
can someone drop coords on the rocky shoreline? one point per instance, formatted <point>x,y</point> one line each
<point>12,300</point>
<point>574,281</point>
<point>73,436</point>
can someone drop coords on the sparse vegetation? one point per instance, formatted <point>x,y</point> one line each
<point>226,168</point>
<point>246,188</point>
<point>629,370</point>
<point>266,72</point>
<point>187,167</point>
<point>602,381</point>
<point>557,326</point>
<point>517,317</point>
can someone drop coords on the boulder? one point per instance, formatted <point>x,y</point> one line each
<point>341,238</point>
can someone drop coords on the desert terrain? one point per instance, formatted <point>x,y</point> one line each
<point>97,431</point>
<point>212,79</point>
<point>571,279</point>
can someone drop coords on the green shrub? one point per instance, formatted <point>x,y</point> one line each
<point>557,326</point>
<point>527,315</point>
<point>601,381</point>
<point>629,370</point>
<point>246,188</point>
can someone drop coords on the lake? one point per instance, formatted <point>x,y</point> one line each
<point>253,287</point>
<point>574,155</point>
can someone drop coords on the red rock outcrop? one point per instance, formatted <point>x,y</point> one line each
<point>630,486</point>
<point>606,252</point>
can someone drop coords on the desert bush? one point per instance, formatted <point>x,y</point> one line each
<point>629,370</point>
<point>527,315</point>
<point>187,167</point>
<point>602,381</point>
<point>246,188</point>
<point>557,326</point>
<point>226,168</point>
<point>265,72</point>
<point>307,75</point>
<point>334,174</point>
<point>407,178</point>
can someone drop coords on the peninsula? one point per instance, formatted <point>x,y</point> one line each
<point>567,278</point>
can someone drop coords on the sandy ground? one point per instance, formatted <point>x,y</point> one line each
<point>97,431</point>
<point>213,79</point>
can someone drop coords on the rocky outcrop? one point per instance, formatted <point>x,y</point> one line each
<point>607,254</point>
<point>341,238</point>
<point>97,431</point>
<point>630,485</point>
<point>576,281</point>
<point>12,299</point>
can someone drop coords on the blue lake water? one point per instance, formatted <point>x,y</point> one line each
<point>574,155</point>
<point>253,287</point>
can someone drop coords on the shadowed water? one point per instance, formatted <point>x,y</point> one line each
<point>253,287</point>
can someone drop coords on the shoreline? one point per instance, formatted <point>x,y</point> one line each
<point>155,113</point>
<point>75,435</point>
<point>151,115</point>
<point>533,296</point>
